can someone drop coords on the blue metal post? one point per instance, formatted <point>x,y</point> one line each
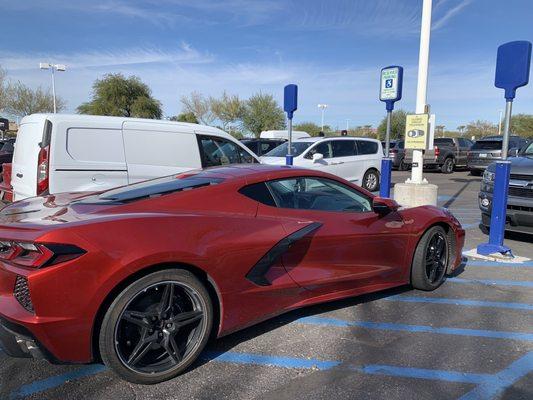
<point>386,167</point>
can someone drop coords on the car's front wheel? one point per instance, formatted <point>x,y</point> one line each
<point>371,180</point>
<point>430,260</point>
<point>156,327</point>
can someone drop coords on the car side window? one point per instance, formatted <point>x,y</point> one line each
<point>323,148</point>
<point>258,192</point>
<point>367,147</point>
<point>218,151</point>
<point>319,194</point>
<point>267,146</point>
<point>343,148</point>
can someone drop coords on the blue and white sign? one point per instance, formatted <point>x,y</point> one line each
<point>391,85</point>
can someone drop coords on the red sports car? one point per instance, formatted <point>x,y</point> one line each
<point>140,276</point>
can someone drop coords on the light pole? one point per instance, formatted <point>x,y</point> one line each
<point>500,122</point>
<point>323,108</point>
<point>52,68</point>
<point>347,124</point>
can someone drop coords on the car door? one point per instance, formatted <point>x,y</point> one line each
<point>326,164</point>
<point>351,248</point>
<point>348,165</point>
<point>368,156</point>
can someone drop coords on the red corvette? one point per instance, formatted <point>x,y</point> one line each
<point>140,276</point>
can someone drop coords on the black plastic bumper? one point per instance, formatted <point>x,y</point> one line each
<point>18,342</point>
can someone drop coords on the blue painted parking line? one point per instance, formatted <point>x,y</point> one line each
<point>275,361</point>
<point>421,373</point>
<point>495,385</point>
<point>390,326</point>
<point>492,282</point>
<point>497,264</point>
<point>55,381</point>
<point>461,302</point>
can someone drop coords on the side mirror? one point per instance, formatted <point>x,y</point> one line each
<point>383,206</point>
<point>513,152</point>
<point>317,157</point>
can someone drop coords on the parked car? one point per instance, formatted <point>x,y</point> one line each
<point>520,198</point>
<point>397,154</point>
<point>354,159</point>
<point>141,276</point>
<point>283,135</point>
<point>6,152</point>
<point>72,153</point>
<point>6,190</point>
<point>487,150</point>
<point>262,146</point>
<point>447,154</point>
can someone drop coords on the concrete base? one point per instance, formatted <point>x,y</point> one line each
<point>415,194</point>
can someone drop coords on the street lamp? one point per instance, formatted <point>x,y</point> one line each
<point>52,68</point>
<point>323,108</point>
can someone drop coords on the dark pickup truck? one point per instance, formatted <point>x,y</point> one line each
<point>520,199</point>
<point>447,153</point>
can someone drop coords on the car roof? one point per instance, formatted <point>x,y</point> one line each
<point>322,138</point>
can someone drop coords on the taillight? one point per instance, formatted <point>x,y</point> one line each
<point>42,170</point>
<point>437,151</point>
<point>37,255</point>
<point>393,151</point>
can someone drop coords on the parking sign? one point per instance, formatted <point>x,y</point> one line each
<point>390,78</point>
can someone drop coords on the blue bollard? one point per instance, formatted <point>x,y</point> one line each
<point>288,159</point>
<point>498,213</point>
<point>386,167</point>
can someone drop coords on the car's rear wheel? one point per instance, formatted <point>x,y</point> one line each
<point>475,172</point>
<point>403,166</point>
<point>156,327</point>
<point>447,167</point>
<point>371,180</point>
<point>431,259</point>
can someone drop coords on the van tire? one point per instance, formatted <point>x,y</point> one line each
<point>371,180</point>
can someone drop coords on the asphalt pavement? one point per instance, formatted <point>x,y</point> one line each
<point>470,339</point>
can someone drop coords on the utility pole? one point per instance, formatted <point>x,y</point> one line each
<point>53,67</point>
<point>323,108</point>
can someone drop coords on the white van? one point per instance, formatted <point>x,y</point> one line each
<point>57,153</point>
<point>283,135</point>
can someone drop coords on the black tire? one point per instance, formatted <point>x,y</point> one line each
<point>403,166</point>
<point>426,273</point>
<point>447,167</point>
<point>371,180</point>
<point>165,329</point>
<point>475,172</point>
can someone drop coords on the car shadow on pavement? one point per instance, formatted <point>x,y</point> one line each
<point>227,343</point>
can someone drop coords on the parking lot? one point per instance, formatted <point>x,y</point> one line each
<point>470,339</point>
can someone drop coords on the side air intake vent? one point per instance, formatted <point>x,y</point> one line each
<point>22,293</point>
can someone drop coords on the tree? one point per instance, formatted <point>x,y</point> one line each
<point>3,89</point>
<point>309,127</point>
<point>262,113</point>
<point>461,129</point>
<point>480,128</point>
<point>227,109</point>
<point>198,105</point>
<point>21,100</point>
<point>185,117</point>
<point>522,125</point>
<point>397,129</point>
<point>120,96</point>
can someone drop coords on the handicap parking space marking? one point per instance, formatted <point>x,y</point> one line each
<point>391,326</point>
<point>461,302</point>
<point>488,385</point>
<point>498,264</point>
<point>491,282</point>
<point>497,383</point>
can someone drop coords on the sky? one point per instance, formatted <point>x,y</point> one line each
<point>332,49</point>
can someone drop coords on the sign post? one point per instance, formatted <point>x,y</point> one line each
<point>390,92</point>
<point>290,105</point>
<point>512,71</point>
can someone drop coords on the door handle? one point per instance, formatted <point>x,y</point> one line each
<point>19,175</point>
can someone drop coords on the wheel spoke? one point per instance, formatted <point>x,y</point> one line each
<point>137,318</point>
<point>166,299</point>
<point>433,272</point>
<point>139,351</point>
<point>187,318</point>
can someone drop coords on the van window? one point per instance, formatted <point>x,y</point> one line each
<point>218,151</point>
<point>95,145</point>
<point>367,147</point>
<point>344,148</point>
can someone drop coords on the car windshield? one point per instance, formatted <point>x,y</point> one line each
<point>7,146</point>
<point>296,149</point>
<point>153,188</point>
<point>529,150</point>
<point>487,145</point>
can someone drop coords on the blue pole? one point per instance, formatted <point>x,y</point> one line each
<point>386,167</point>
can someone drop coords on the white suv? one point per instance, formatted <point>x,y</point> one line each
<point>354,159</point>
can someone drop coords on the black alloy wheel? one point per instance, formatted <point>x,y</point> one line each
<point>431,258</point>
<point>156,329</point>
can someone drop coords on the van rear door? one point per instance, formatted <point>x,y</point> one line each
<point>25,158</point>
